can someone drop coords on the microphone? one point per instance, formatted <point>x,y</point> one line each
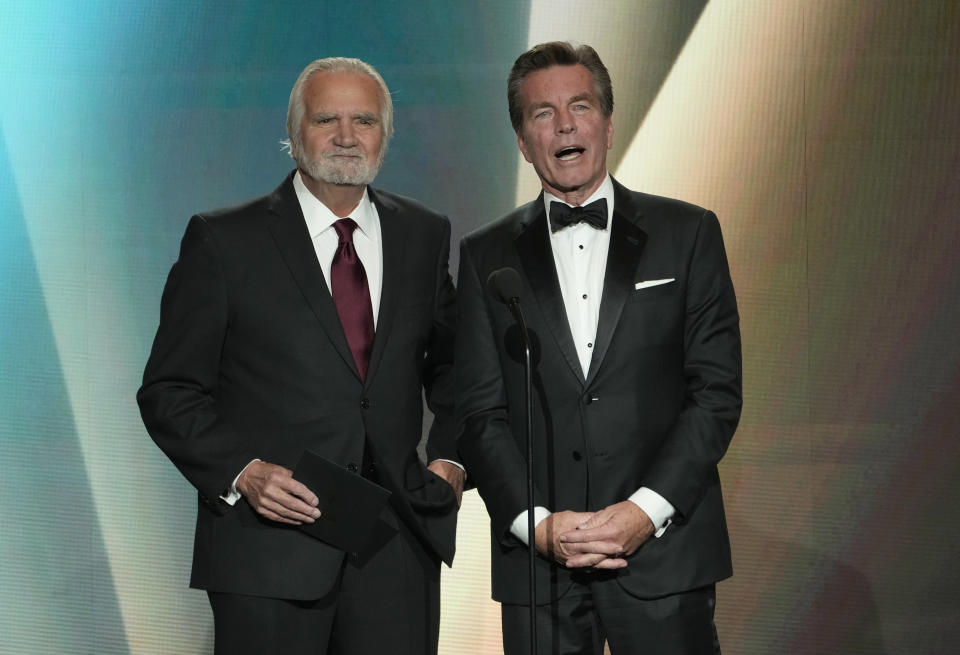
<point>504,284</point>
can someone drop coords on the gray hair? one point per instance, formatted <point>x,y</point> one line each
<point>557,53</point>
<point>296,108</point>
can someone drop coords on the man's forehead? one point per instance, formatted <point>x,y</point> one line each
<point>341,84</point>
<point>573,81</point>
<point>337,97</point>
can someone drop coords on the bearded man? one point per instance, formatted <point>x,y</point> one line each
<point>313,319</point>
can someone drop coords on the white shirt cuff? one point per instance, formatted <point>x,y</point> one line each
<point>230,496</point>
<point>457,464</point>
<point>656,507</point>
<point>519,526</point>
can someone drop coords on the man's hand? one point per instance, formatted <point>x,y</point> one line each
<point>273,492</point>
<point>613,533</point>
<point>453,474</point>
<point>548,531</point>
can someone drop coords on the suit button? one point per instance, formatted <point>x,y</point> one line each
<point>589,400</point>
<point>577,456</point>
<point>353,468</point>
<point>365,403</point>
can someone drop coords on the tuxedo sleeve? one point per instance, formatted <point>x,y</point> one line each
<point>438,376</point>
<point>686,462</point>
<point>490,453</point>
<point>178,397</point>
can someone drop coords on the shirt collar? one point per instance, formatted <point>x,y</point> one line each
<point>605,191</point>
<point>319,217</point>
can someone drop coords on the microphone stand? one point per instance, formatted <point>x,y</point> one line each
<point>505,285</point>
<point>514,305</point>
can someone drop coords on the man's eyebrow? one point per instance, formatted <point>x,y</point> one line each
<point>366,115</point>
<point>581,98</point>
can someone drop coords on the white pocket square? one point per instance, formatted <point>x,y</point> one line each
<point>652,283</point>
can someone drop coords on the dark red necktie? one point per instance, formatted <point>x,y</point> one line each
<point>351,295</point>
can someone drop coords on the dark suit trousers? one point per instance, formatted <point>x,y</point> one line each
<point>598,609</point>
<point>387,601</point>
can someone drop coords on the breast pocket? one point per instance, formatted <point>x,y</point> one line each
<point>657,292</point>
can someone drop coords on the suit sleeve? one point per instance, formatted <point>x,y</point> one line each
<point>492,457</point>
<point>178,397</point>
<point>438,377</point>
<point>686,462</point>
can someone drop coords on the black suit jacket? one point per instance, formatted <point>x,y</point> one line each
<point>250,361</point>
<point>658,407</point>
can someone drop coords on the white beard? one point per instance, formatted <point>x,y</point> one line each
<point>356,172</point>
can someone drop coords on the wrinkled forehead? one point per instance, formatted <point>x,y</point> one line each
<point>342,93</point>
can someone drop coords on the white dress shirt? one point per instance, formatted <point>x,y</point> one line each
<point>366,238</point>
<point>580,258</point>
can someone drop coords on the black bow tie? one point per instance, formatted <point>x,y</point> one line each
<point>563,215</point>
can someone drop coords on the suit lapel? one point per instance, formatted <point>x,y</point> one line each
<point>623,259</point>
<point>289,231</point>
<point>393,240</point>
<point>536,259</point>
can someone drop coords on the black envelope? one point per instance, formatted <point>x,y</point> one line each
<point>349,504</point>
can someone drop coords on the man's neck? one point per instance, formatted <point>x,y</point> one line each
<point>341,199</point>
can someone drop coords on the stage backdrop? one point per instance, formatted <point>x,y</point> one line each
<point>824,133</point>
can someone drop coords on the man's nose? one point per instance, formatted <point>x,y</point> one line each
<point>346,134</point>
<point>564,122</point>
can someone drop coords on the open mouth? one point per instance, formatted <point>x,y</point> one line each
<point>570,152</point>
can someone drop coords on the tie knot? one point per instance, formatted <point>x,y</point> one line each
<point>345,228</point>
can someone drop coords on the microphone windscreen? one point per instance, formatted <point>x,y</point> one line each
<point>505,285</point>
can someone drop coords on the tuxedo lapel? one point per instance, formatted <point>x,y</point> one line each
<point>289,231</point>
<point>536,258</point>
<point>393,239</point>
<point>623,259</point>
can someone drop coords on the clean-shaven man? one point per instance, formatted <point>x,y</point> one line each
<point>636,389</point>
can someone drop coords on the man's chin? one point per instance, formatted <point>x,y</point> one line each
<point>570,184</point>
<point>341,177</point>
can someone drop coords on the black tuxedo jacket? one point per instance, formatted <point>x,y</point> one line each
<point>250,361</point>
<point>657,409</point>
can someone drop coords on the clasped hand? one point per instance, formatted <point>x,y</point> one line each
<point>600,540</point>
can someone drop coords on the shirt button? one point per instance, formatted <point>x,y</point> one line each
<point>589,345</point>
<point>580,247</point>
<point>584,296</point>
<point>365,403</point>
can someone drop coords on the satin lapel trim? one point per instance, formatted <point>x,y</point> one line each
<point>536,259</point>
<point>623,259</point>
<point>289,232</point>
<point>393,240</point>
